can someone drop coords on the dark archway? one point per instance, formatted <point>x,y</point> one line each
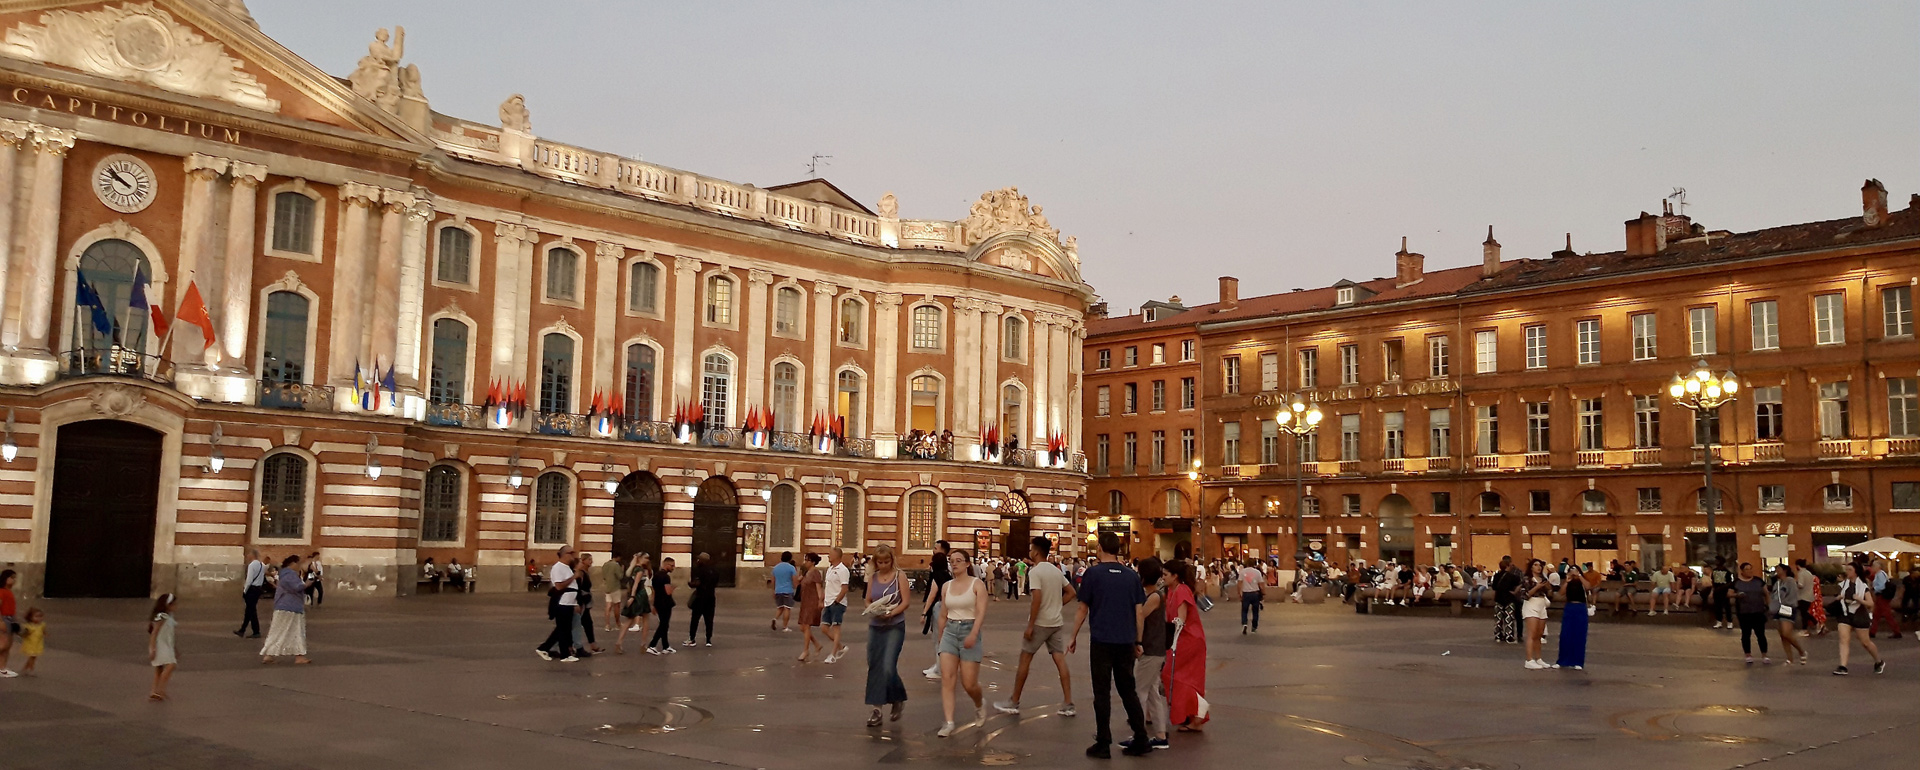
<point>1016,526</point>
<point>100,533</point>
<point>639,508</point>
<point>1396,529</point>
<point>716,522</point>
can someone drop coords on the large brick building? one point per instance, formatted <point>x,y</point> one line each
<point>431,336</point>
<point>1520,407</point>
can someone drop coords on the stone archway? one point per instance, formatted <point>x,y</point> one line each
<point>100,535</point>
<point>716,522</point>
<point>1396,529</point>
<point>639,507</point>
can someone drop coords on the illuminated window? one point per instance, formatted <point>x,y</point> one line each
<point>1896,304</point>
<point>1486,351</point>
<point>1646,341</point>
<point>853,316</point>
<point>786,312</point>
<point>720,300</point>
<point>1765,316</point>
<point>926,327</point>
<point>1439,363</point>
<point>923,519</point>
<point>1535,339</point>
<point>1586,335</point>
<point>1829,319</point>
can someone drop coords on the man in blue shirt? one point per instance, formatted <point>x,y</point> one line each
<point>782,580</point>
<point>1110,595</point>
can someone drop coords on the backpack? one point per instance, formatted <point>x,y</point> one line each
<point>1888,592</point>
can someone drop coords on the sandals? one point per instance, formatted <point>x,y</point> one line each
<point>898,709</point>
<point>873,720</point>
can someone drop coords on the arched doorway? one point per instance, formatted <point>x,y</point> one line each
<point>716,517</point>
<point>638,508</point>
<point>100,535</point>
<point>1016,526</point>
<point>1396,529</point>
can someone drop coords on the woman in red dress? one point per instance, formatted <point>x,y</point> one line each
<point>1186,672</point>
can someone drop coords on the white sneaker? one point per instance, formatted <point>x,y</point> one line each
<point>542,653</point>
<point>633,628</point>
<point>1007,707</point>
<point>1534,665</point>
<point>1066,710</point>
<point>946,730</point>
<point>569,659</point>
<point>653,651</point>
<point>7,673</point>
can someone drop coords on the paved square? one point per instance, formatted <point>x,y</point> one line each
<point>450,681</point>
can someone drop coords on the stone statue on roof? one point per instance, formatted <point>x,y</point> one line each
<point>1005,210</point>
<point>377,76</point>
<point>514,115</point>
<point>889,206</point>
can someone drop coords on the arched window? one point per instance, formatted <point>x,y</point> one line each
<point>1233,506</point>
<point>786,397</point>
<point>786,311</point>
<point>1116,502</point>
<point>1593,501</point>
<point>1837,497</point>
<point>440,505</point>
<point>720,300</point>
<point>109,267</point>
<point>643,288</point>
<point>293,230</point>
<point>846,401</point>
<point>563,267</point>
<point>926,327</point>
<point>783,518</point>
<point>846,519</point>
<point>716,389</point>
<point>447,383</point>
<point>640,363</point>
<point>1489,502</point>
<point>556,373</point>
<point>1014,344</point>
<point>1701,496</point>
<point>924,403</point>
<point>853,316</point>
<point>1010,410</point>
<point>283,496</point>
<point>923,520</point>
<point>454,262</point>
<point>283,343</point>
<point>551,494</point>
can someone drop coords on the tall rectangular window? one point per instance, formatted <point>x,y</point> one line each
<point>1132,355</point>
<point>1159,353</point>
<point>1159,452</point>
<point>1269,371</point>
<point>1896,305</point>
<point>1586,333</point>
<point>1769,415</point>
<point>1103,400</point>
<point>1646,338</point>
<point>1391,352</point>
<point>1349,364</point>
<point>1438,356</point>
<point>1646,421</point>
<point>1439,432</point>
<point>1835,421</point>
<point>1486,351</point>
<point>1129,452</point>
<point>1159,395</point>
<point>1349,437</point>
<point>1394,435</point>
<point>1230,371</point>
<point>1830,319</point>
<point>1186,447</point>
<point>1486,429</point>
<point>1186,350</point>
<point>1765,318</point>
<point>1539,437</point>
<point>786,311</point>
<point>1269,442</point>
<point>1592,431</point>
<point>1186,393</point>
<point>1101,445</point>
<point>1129,398</point>
<point>1310,368</point>
<point>1535,337</point>
<point>1230,443</point>
<point>1706,428</point>
<point>927,325</point>
<point>1103,359</point>
<point>1903,408</point>
<point>1702,332</point>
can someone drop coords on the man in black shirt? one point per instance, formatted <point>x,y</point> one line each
<point>1506,606</point>
<point>705,581</point>
<point>941,574</point>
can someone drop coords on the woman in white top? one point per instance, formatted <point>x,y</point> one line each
<point>963,610</point>
<point>1855,617</point>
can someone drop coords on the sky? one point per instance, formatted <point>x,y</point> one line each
<point>1287,144</point>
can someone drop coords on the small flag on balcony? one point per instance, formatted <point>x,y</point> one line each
<point>393,388</point>
<point>86,297</point>
<point>138,300</point>
<point>193,312</point>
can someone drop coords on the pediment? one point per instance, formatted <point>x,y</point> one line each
<point>203,49</point>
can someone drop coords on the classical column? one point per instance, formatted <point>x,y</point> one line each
<point>686,301</point>
<point>1057,381</point>
<point>381,339</point>
<point>823,294</point>
<point>42,236</point>
<point>886,374</point>
<point>1076,394</point>
<point>507,238</point>
<point>755,316</point>
<point>989,401</point>
<point>413,284</point>
<point>236,308</point>
<point>196,247</point>
<point>966,369</point>
<point>606,306</point>
<point>347,311</point>
<point>1039,364</point>
<point>13,134</point>
<point>523,267</point>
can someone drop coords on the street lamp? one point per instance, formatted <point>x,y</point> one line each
<point>1703,393</point>
<point>1297,420</point>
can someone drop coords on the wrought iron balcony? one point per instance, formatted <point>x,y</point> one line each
<point>114,362</point>
<point>457,415</point>
<point>297,396</point>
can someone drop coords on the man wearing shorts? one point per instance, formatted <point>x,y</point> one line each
<point>1045,624</point>
<point>782,581</point>
<point>835,595</point>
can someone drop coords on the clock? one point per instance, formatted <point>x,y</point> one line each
<point>124,183</point>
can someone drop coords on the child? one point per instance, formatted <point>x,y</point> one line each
<point>33,638</point>
<point>160,646</point>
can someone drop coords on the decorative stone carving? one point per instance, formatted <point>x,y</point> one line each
<point>1017,259</point>
<point>139,43</point>
<point>290,437</point>
<point>887,299</point>
<point>1005,210</point>
<point>1072,247</point>
<point>825,287</point>
<point>761,277</point>
<point>116,401</point>
<point>514,115</point>
<point>889,206</point>
<point>609,251</point>
<point>508,231</point>
<point>686,264</point>
<point>377,76</point>
<point>563,327</point>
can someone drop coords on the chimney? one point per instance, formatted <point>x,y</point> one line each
<point>1408,266</point>
<point>1873,203</point>
<point>1491,254</point>
<point>1229,292</point>
<point>1097,310</point>
<point>1646,236</point>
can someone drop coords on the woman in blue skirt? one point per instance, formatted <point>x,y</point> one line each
<point>1573,624</point>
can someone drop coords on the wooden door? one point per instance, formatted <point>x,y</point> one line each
<point>638,510</point>
<point>106,493</point>
<point>716,517</point>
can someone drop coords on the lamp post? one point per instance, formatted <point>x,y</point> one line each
<point>1297,420</point>
<point>1199,504</point>
<point>1703,393</point>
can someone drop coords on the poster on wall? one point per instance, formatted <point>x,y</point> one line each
<point>982,541</point>
<point>753,541</point>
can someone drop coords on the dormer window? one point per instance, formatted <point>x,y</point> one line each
<point>1149,315</point>
<point>1344,296</point>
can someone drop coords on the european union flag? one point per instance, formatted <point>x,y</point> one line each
<point>84,296</point>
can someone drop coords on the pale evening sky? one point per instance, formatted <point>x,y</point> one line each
<point>1289,144</point>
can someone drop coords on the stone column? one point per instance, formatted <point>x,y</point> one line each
<point>823,294</point>
<point>236,308</point>
<point>381,337</point>
<point>13,135</point>
<point>966,370</point>
<point>989,401</point>
<point>196,247</point>
<point>686,313</point>
<point>757,321</point>
<point>523,267</point>
<point>1058,382</point>
<point>1076,394</point>
<point>1039,365</point>
<point>507,238</point>
<point>42,239</point>
<point>347,310</point>
<point>413,283</point>
<point>886,374</point>
<point>606,306</point>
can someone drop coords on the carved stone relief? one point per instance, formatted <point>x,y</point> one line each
<point>116,401</point>
<point>140,43</point>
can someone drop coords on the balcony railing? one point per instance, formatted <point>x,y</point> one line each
<point>457,415</point>
<point>1903,446</point>
<point>1268,469</point>
<point>1537,460</point>
<point>650,431</point>
<point>1395,465</point>
<point>1439,464</point>
<point>1486,462</point>
<point>1649,455</point>
<point>1770,451</point>
<point>114,362</point>
<point>1836,449</point>
<point>297,396</point>
<point>1349,467</point>
<point>1590,458</point>
<point>1229,471</point>
<point>560,424</point>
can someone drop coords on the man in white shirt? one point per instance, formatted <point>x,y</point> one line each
<point>1050,590</point>
<point>255,584</point>
<point>1253,586</point>
<point>563,607</point>
<point>835,611</point>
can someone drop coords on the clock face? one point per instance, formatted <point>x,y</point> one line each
<point>124,183</point>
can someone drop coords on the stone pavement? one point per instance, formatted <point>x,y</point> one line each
<point>450,681</point>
